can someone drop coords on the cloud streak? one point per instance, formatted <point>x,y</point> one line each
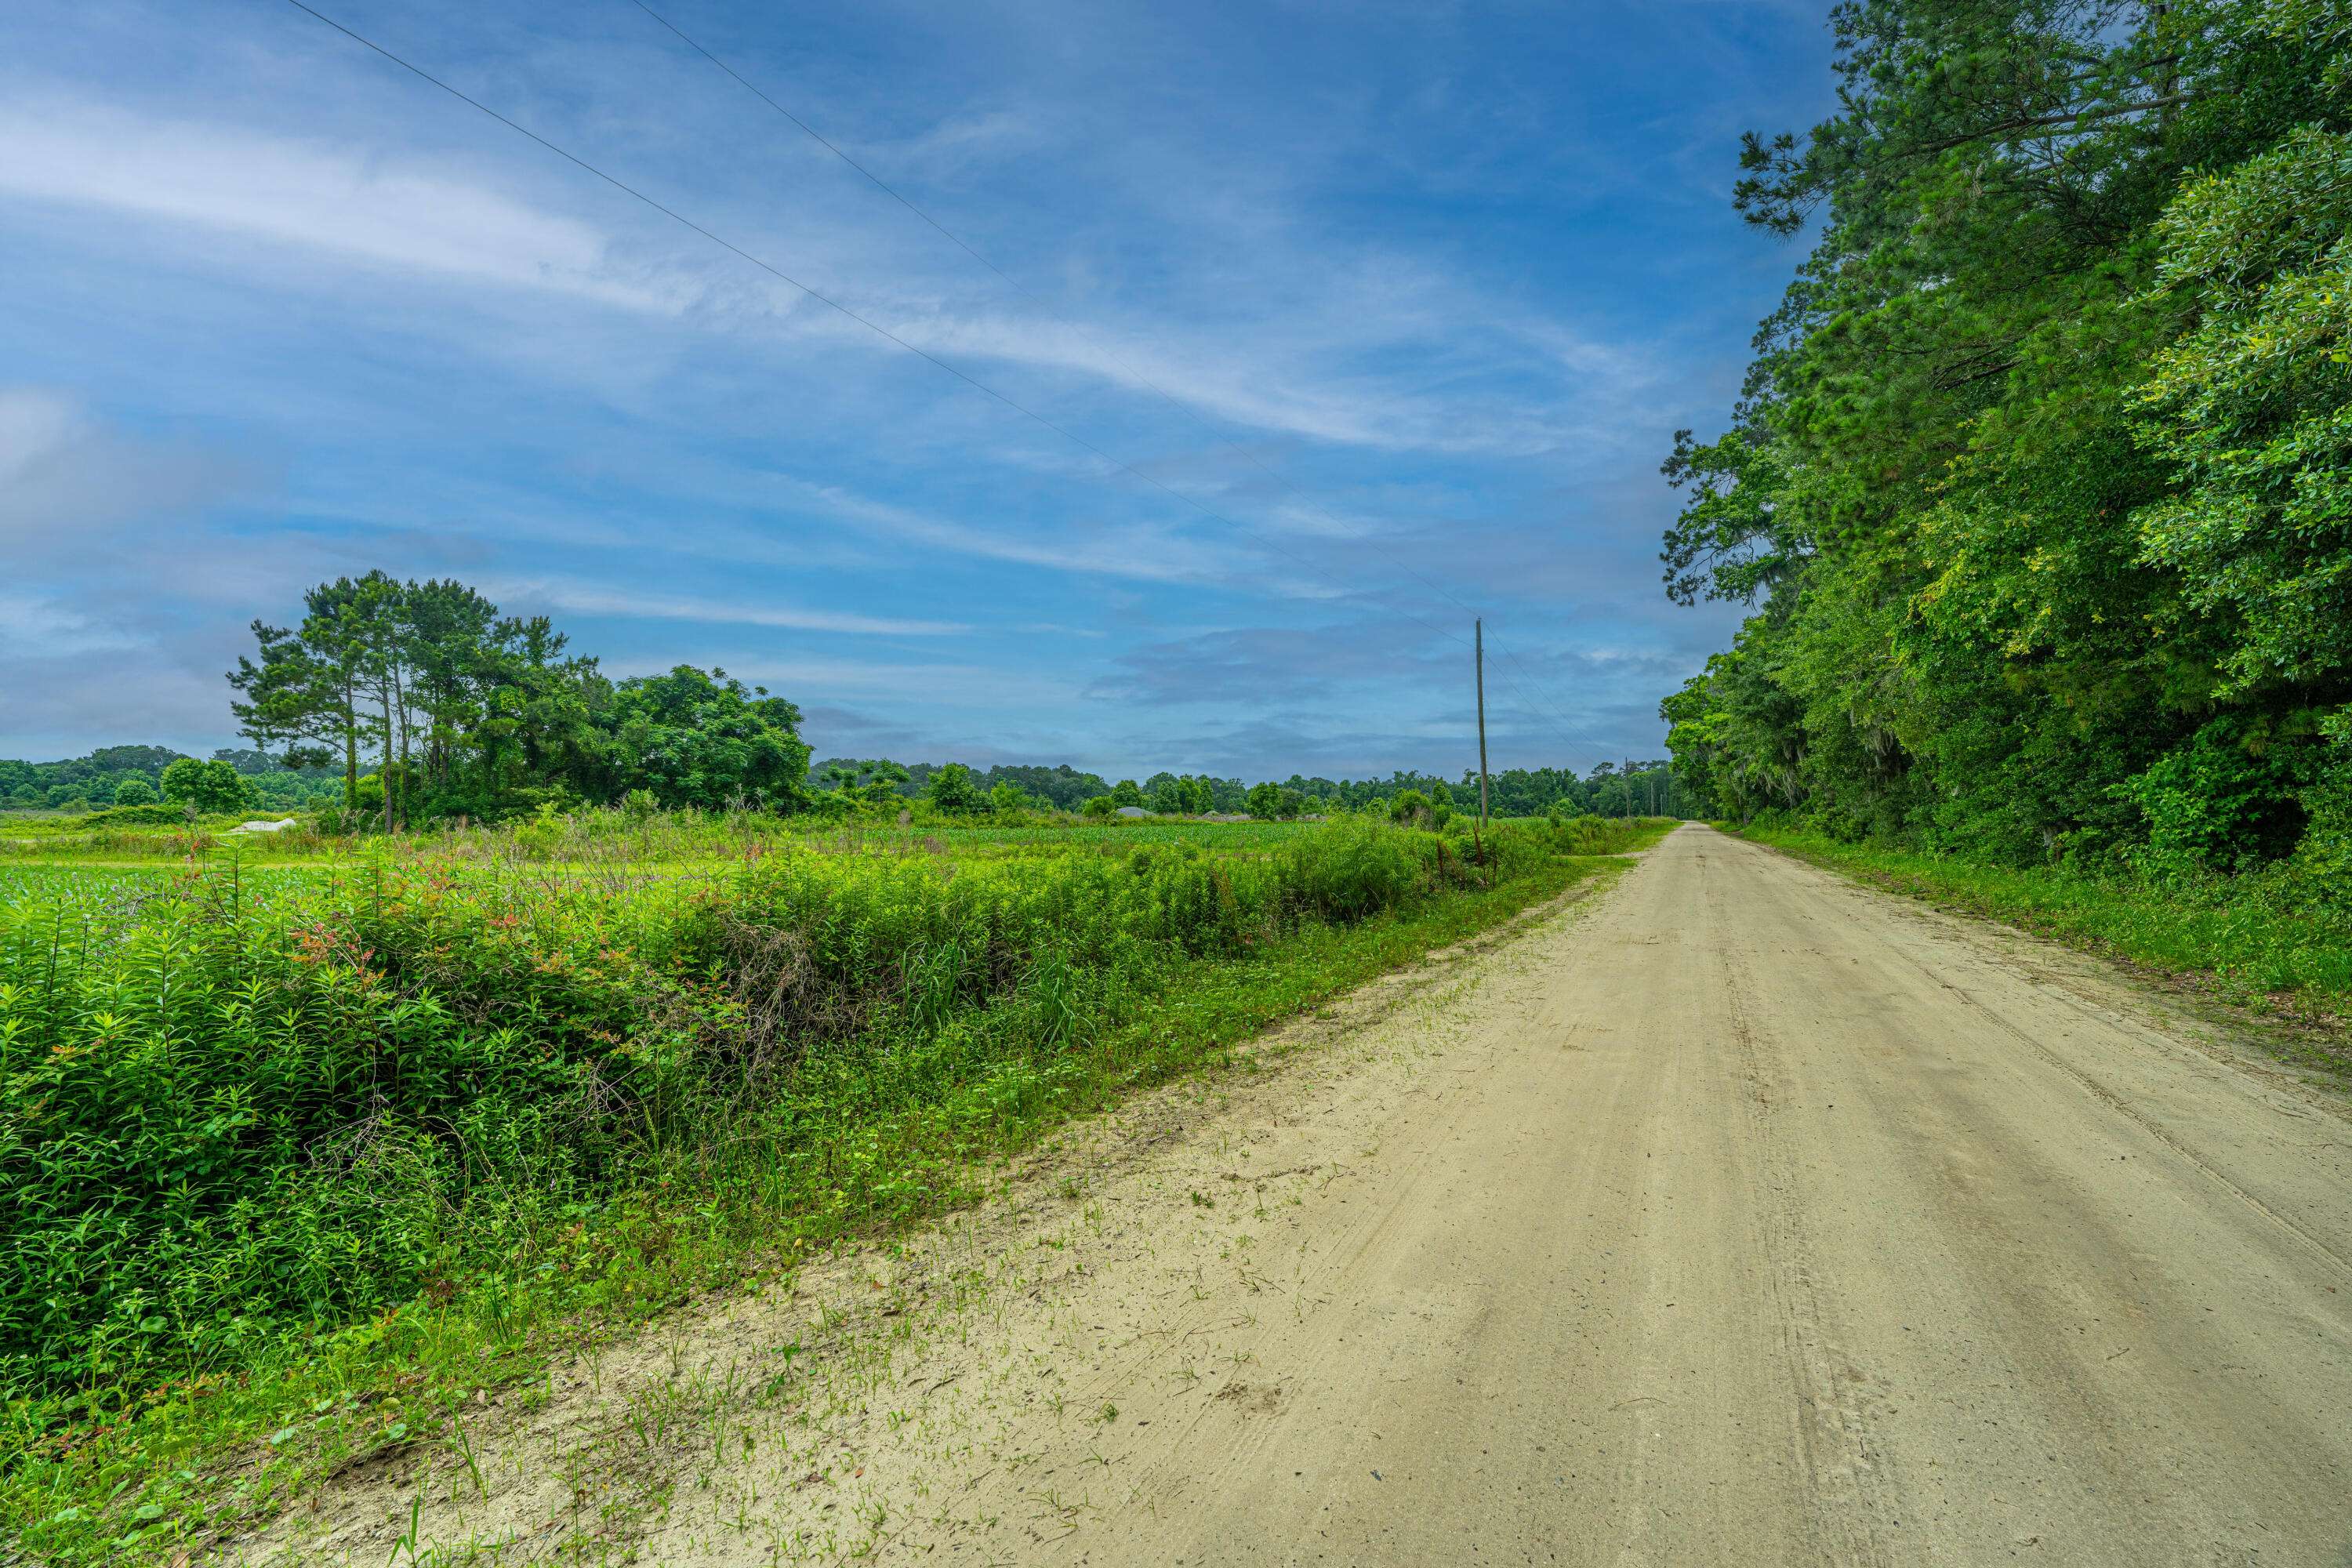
<point>589,599</point>
<point>317,196</point>
<point>277,312</point>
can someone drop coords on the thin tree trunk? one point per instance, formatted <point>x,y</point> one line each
<point>384,701</point>
<point>350,744</point>
<point>400,705</point>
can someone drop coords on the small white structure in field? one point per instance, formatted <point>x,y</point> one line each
<point>264,827</point>
<point>1132,811</point>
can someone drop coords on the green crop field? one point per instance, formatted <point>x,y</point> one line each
<point>288,1122</point>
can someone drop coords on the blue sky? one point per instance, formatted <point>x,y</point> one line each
<point>1427,288</point>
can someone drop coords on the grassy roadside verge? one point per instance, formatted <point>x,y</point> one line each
<point>172,1467</point>
<point>2239,940</point>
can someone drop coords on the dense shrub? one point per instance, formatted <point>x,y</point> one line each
<point>149,814</point>
<point>235,1105</point>
<point>1589,835</point>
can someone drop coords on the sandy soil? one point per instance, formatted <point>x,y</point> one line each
<point>1736,1215</point>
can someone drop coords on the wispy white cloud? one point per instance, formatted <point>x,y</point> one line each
<point>1439,268</point>
<point>37,624</point>
<point>584,598</point>
<point>1108,550</point>
<point>400,214</point>
<point>1296,365</point>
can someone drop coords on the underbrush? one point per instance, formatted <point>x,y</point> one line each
<point>129,835</point>
<point>1589,835</point>
<point>304,1147</point>
<point>2269,938</point>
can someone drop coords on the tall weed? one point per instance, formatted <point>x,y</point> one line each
<point>239,1107</point>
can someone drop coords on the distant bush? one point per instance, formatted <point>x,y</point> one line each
<point>213,788</point>
<point>1589,835</point>
<point>156,815</point>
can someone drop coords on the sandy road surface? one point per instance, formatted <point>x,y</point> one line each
<point>1736,1216</point>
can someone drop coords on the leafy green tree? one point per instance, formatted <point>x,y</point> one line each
<point>1411,809</point>
<point>706,740</point>
<point>2252,409</point>
<point>1126,792</point>
<point>1062,788</point>
<point>455,650</point>
<point>953,790</point>
<point>1264,801</point>
<point>884,787</point>
<point>213,788</point>
<point>294,703</point>
<point>133,789</point>
<point>2037,480</point>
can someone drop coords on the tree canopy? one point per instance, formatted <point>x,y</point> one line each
<point>465,712</point>
<point>2041,480</point>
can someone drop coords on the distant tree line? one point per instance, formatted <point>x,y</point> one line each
<point>230,779</point>
<point>2041,482</point>
<point>1636,789</point>
<point>247,779</point>
<point>398,702</point>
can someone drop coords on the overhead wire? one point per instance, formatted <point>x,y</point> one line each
<point>1111,354</point>
<point>874,327</point>
<point>877,328</point>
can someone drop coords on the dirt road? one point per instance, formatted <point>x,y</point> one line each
<point>1735,1217</point>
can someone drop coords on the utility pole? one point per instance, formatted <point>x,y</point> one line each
<point>1479,652</point>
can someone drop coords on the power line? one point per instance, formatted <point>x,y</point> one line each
<point>1108,351</point>
<point>870,325</point>
<point>880,331</point>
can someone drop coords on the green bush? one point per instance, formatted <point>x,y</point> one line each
<point>1589,835</point>
<point>235,1110</point>
<point>154,814</point>
<point>2225,801</point>
<point>215,788</point>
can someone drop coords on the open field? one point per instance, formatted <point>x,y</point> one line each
<point>305,1146</point>
<point>664,836</point>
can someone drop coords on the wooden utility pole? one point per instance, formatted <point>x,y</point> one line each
<point>1478,651</point>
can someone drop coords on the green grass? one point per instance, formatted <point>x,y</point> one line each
<point>294,1156</point>
<point>604,834</point>
<point>2262,940</point>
